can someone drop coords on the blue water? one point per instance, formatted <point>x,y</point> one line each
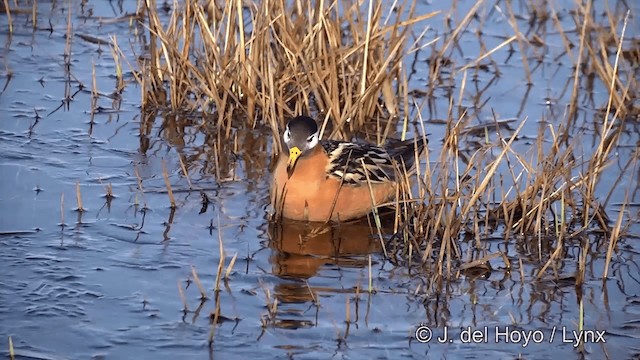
<point>104,283</point>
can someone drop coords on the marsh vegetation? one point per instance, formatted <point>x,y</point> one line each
<point>527,195</point>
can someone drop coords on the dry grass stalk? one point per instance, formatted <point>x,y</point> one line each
<point>165,175</point>
<point>613,240</point>
<point>7,10</point>
<point>271,305</point>
<point>80,208</point>
<point>521,45</point>
<point>183,298</point>
<point>109,192</point>
<point>116,54</point>
<point>67,53</point>
<point>370,276</point>
<point>34,15</point>
<point>486,55</point>
<point>94,95</point>
<point>196,279</point>
<point>230,267</point>
<point>222,255</point>
<point>347,310</point>
<point>375,214</point>
<point>62,224</point>
<point>312,293</point>
<point>12,354</point>
<point>597,165</point>
<point>581,322</point>
<point>214,319</point>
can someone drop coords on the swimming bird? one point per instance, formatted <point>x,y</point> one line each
<point>322,180</point>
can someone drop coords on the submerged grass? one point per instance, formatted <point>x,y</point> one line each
<point>258,63</point>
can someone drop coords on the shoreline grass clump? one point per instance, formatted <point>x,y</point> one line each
<point>258,63</point>
<point>264,61</point>
<point>548,193</point>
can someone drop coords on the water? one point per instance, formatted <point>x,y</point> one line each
<point>104,283</point>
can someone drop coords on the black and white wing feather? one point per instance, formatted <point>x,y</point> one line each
<point>355,163</point>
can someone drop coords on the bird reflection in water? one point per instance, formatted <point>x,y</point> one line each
<point>300,250</point>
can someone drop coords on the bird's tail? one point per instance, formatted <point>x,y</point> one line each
<point>406,152</point>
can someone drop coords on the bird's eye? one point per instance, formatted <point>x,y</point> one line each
<point>310,139</point>
<point>287,136</point>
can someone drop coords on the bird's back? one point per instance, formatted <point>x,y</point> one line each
<point>355,163</point>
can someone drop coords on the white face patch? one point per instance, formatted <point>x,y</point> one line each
<point>287,136</point>
<point>312,141</point>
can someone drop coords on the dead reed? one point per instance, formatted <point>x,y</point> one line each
<point>165,176</point>
<point>62,223</point>
<point>12,354</point>
<point>79,208</point>
<point>547,194</point>
<point>196,279</point>
<point>254,63</point>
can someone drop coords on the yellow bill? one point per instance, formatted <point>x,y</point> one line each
<point>294,154</point>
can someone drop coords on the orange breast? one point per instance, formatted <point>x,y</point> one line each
<point>308,187</point>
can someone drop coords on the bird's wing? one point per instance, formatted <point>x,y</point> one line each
<point>357,163</point>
